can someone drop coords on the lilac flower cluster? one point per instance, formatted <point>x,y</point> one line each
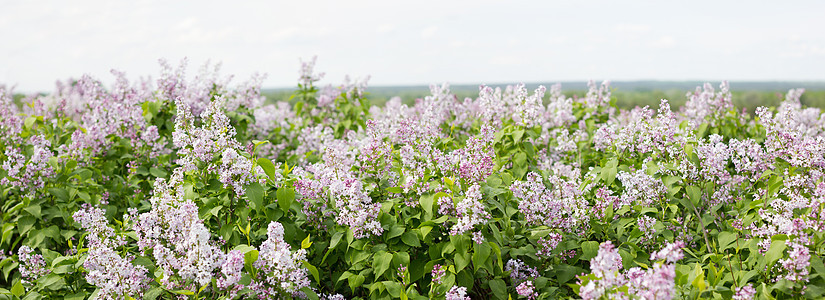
<point>640,188</point>
<point>561,206</point>
<point>657,282</point>
<point>322,186</point>
<point>706,104</point>
<point>175,236</point>
<point>548,244</point>
<point>32,266</point>
<point>520,271</point>
<point>29,174</point>
<point>106,268</point>
<point>11,124</point>
<point>470,211</point>
<point>199,145</point>
<point>746,292</point>
<point>457,293</point>
<point>645,224</point>
<point>281,269</point>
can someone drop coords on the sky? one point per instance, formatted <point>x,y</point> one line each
<point>415,42</point>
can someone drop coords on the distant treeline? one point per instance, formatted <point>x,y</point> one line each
<point>747,95</point>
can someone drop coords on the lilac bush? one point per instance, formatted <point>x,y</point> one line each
<point>200,188</point>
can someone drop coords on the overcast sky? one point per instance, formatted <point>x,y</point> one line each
<point>416,42</point>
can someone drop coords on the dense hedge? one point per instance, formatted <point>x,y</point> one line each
<point>181,188</point>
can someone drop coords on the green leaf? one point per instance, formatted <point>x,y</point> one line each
<point>426,202</point>
<point>499,289</point>
<point>312,270</point>
<point>249,259</point>
<point>60,193</point>
<point>29,122</point>
<point>394,288</point>
<point>590,249</point>
<point>699,280</point>
<point>306,243</point>
<point>694,194</point>
<point>153,293</point>
<point>480,255</point>
<point>25,223</point>
<point>311,295</point>
<point>394,190</point>
<point>411,239</point>
<point>255,194</point>
<point>517,135</point>
<point>520,159</point>
<point>183,292</point>
<point>462,260</point>
<point>355,281</point>
<point>34,210</point>
<point>726,239</point>
<point>157,172</point>
<point>609,171</point>
<point>17,289</point>
<point>775,252</point>
<point>381,262</point>
<point>76,296</point>
<point>268,167</point>
<point>285,197</point>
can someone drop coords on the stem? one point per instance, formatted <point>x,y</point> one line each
<point>704,231</point>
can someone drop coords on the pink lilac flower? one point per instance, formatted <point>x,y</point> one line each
<point>640,188</point>
<point>438,273</point>
<point>646,224</point>
<point>671,253</point>
<point>525,289</point>
<point>32,266</point>
<point>797,264</point>
<point>114,274</point>
<point>548,244</point>
<point>561,207</point>
<point>470,211</point>
<point>457,293</point>
<point>28,174</point>
<point>307,75</point>
<point>281,269</point>
<point>231,269</point>
<point>746,292</point>
<point>520,271</point>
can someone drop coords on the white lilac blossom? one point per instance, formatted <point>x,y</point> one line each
<point>281,270</point>
<point>114,274</point>
<point>11,124</point>
<point>352,205</point>
<point>307,74</point>
<point>470,211</point>
<point>526,290</point>
<point>645,224</point>
<point>561,206</point>
<point>706,104</point>
<point>520,271</point>
<point>548,244</point>
<point>176,237</point>
<point>237,172</point>
<point>32,266</point>
<point>656,282</point>
<point>28,174</point>
<point>457,293</point>
<point>640,188</point>
<point>746,292</point>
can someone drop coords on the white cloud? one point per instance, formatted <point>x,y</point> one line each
<point>429,32</point>
<point>631,28</point>
<point>412,43</point>
<point>665,42</point>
